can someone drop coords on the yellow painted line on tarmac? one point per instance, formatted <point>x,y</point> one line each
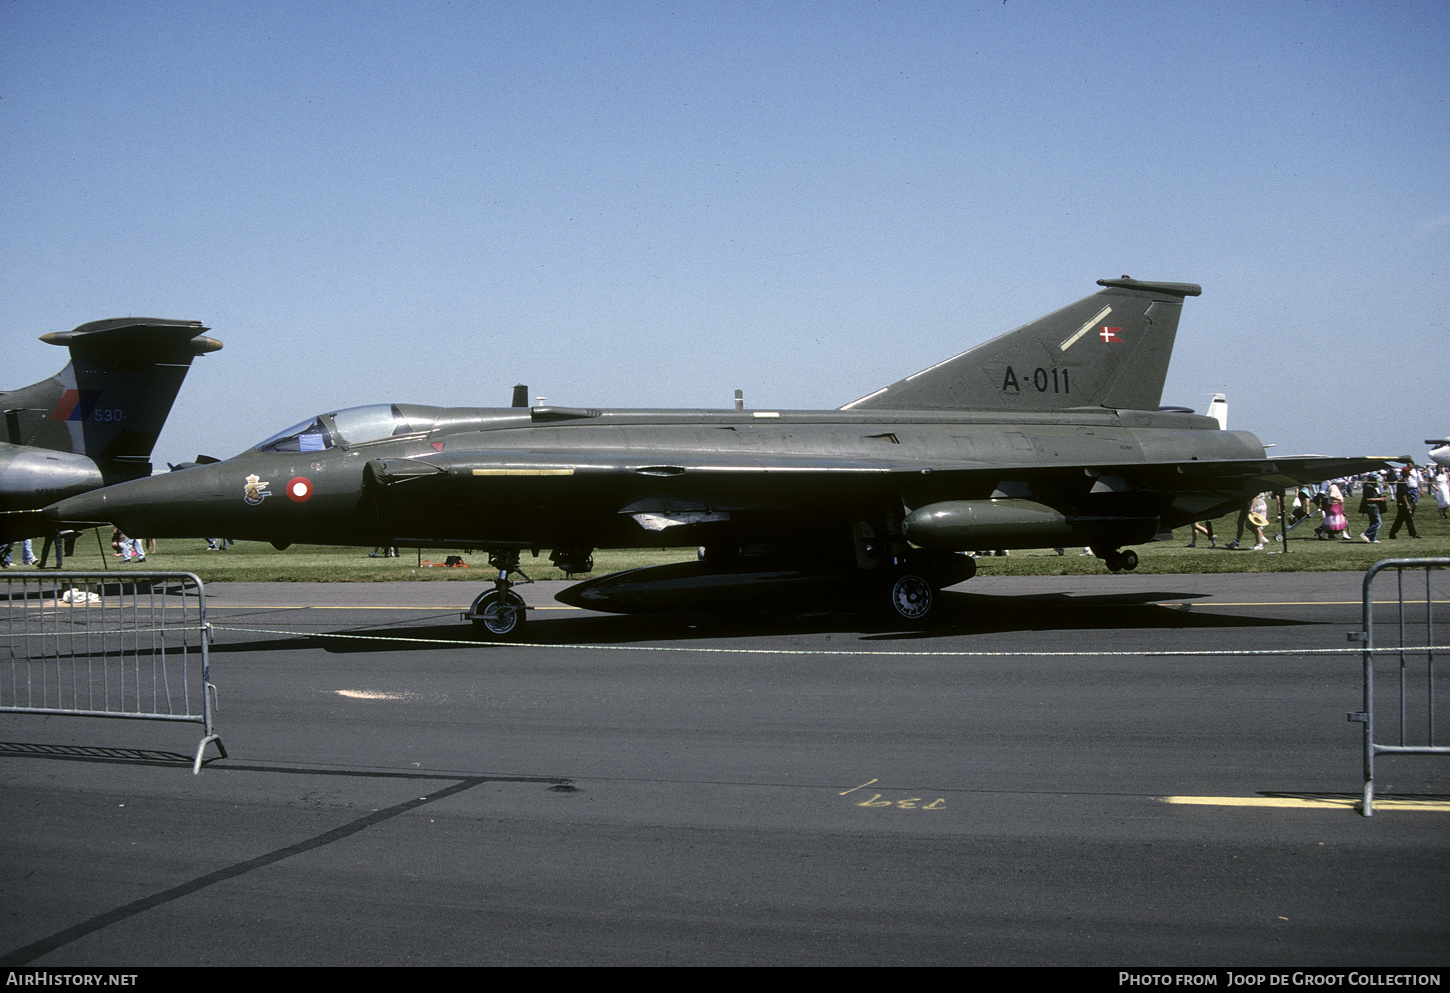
<point>1278,603</point>
<point>1307,803</point>
<point>1173,604</point>
<point>349,606</point>
<point>1258,603</point>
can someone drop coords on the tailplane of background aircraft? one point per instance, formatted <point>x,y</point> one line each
<point>111,400</point>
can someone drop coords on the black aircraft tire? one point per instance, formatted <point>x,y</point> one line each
<point>1129,559</point>
<point>911,598</point>
<point>499,616</point>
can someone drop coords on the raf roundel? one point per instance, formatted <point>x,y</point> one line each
<point>299,489</point>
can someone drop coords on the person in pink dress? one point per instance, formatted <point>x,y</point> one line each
<point>1336,525</point>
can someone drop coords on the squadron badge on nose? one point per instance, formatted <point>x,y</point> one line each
<point>253,493</point>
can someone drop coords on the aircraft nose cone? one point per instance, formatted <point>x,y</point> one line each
<point>85,509</point>
<point>153,507</point>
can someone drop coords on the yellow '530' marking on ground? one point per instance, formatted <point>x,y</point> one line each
<point>905,803</point>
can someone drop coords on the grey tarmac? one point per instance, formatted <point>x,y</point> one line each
<point>726,790</point>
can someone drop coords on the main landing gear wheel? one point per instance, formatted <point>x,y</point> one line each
<point>499,615</point>
<point>911,597</point>
<point>1124,561</point>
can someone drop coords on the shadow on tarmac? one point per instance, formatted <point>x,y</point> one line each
<point>957,614</point>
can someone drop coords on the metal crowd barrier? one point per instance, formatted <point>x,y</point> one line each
<point>127,645</point>
<point>1414,653</point>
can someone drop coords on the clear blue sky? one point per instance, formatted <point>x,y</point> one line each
<point>654,204</point>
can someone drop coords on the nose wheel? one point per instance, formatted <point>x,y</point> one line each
<point>1124,561</point>
<point>500,612</point>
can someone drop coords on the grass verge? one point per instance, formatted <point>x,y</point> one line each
<point>256,562</point>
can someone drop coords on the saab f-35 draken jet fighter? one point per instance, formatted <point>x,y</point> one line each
<point>94,422</point>
<point>1050,435</point>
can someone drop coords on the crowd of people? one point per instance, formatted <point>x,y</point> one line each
<point>1397,490</point>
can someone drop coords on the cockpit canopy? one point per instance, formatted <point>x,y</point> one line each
<point>353,426</point>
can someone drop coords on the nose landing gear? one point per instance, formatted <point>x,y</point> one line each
<point>500,612</point>
<point>1119,561</point>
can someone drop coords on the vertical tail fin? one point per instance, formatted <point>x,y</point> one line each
<point>110,401</point>
<point>1110,349</point>
<point>1218,410</point>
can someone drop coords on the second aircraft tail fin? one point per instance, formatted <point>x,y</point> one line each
<point>111,400</point>
<point>1110,349</point>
